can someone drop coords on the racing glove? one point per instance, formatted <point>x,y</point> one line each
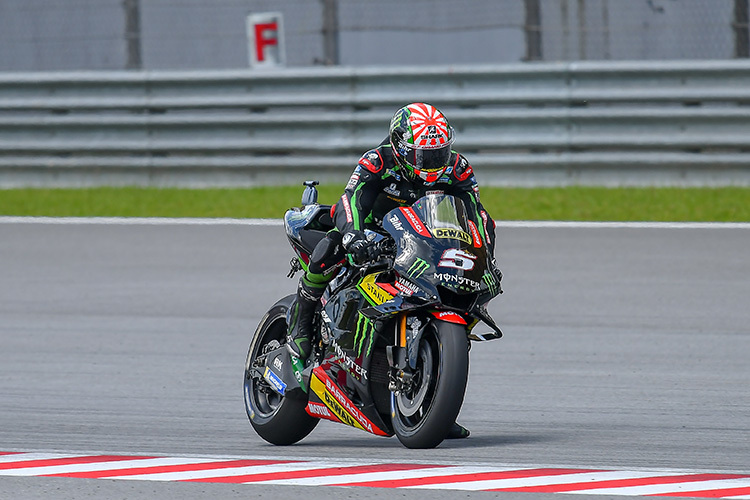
<point>356,245</point>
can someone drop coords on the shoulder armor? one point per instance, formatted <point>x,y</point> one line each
<point>372,161</point>
<point>461,168</point>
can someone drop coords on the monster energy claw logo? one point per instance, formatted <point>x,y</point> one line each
<point>489,280</point>
<point>365,330</point>
<point>418,268</point>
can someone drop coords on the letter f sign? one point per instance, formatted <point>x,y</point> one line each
<point>265,39</point>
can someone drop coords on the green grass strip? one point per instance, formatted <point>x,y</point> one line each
<point>726,204</point>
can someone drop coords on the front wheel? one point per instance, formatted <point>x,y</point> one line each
<point>277,419</point>
<point>423,414</point>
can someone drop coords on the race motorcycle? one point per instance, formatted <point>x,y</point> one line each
<point>391,354</point>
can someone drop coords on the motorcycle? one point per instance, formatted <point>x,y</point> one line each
<point>391,352</point>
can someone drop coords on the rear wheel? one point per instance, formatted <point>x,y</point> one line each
<point>423,414</point>
<point>277,419</point>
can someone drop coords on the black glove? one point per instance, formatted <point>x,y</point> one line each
<point>356,244</point>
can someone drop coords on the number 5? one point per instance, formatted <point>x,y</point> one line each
<point>457,259</point>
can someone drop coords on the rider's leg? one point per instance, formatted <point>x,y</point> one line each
<point>323,262</point>
<point>300,318</point>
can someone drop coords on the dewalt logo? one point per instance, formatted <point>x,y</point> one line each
<point>454,234</point>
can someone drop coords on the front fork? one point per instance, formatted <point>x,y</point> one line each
<point>402,357</point>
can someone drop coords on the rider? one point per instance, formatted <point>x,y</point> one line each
<point>415,159</point>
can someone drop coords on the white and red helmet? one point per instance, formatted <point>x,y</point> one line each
<point>421,139</point>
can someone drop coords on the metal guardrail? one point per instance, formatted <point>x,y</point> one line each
<point>589,123</point>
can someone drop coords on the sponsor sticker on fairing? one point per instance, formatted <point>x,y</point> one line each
<point>454,234</point>
<point>415,222</point>
<point>405,287</point>
<point>351,365</point>
<point>393,219</point>
<point>460,282</point>
<point>340,405</point>
<point>319,410</point>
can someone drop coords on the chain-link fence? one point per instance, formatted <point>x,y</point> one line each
<point>39,35</point>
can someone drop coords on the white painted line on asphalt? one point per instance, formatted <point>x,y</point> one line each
<point>230,471</point>
<point>526,482</point>
<point>624,225</point>
<point>104,466</point>
<point>662,489</point>
<point>166,221</point>
<point>27,457</point>
<point>148,221</point>
<point>389,476</point>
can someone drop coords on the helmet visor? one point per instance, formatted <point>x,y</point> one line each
<point>428,159</point>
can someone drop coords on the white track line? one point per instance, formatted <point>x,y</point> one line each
<point>103,465</point>
<point>524,482</point>
<point>365,477</point>
<point>147,221</point>
<point>656,489</point>
<point>165,221</point>
<point>27,457</point>
<point>234,471</point>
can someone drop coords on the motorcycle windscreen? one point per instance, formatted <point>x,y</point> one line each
<point>442,247</point>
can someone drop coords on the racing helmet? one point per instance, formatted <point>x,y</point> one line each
<point>421,139</point>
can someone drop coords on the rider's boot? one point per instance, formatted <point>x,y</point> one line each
<point>458,431</point>
<point>300,320</point>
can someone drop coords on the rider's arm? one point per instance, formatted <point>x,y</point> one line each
<point>356,203</point>
<point>465,188</point>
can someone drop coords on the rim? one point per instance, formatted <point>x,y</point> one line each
<point>415,404</point>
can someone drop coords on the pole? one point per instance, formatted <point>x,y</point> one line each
<point>740,23</point>
<point>533,30</point>
<point>133,34</point>
<point>331,32</point>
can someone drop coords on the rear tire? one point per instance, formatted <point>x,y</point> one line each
<point>277,419</point>
<point>423,417</point>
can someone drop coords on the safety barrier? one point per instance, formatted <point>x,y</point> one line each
<point>534,124</point>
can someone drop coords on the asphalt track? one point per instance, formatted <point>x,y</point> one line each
<point>625,347</point>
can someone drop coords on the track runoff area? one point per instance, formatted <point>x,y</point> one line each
<point>357,473</point>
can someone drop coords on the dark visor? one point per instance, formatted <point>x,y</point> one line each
<point>428,159</point>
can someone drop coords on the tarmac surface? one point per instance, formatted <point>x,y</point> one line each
<point>623,347</point>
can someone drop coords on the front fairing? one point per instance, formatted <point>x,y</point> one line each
<point>438,247</point>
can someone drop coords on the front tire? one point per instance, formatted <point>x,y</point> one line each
<point>277,419</point>
<point>423,415</point>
